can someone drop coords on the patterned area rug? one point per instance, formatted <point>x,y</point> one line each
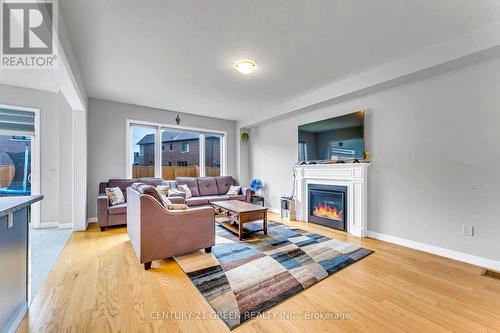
<point>242,279</point>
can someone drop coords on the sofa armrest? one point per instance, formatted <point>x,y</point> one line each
<point>248,193</point>
<point>177,200</point>
<point>102,210</point>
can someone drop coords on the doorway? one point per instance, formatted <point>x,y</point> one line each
<point>19,155</point>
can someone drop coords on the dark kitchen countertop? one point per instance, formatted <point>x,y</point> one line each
<point>11,204</point>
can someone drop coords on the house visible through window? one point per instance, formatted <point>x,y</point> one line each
<point>180,152</point>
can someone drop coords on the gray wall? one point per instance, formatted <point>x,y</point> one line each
<point>435,147</point>
<point>55,148</point>
<point>107,132</point>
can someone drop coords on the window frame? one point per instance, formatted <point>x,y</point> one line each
<point>159,127</point>
<point>184,144</point>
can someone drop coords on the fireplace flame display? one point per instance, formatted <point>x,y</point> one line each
<point>324,210</point>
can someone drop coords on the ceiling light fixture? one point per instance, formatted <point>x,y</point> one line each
<point>245,66</point>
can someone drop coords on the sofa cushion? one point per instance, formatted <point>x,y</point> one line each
<point>185,189</point>
<point>191,182</point>
<point>223,184</point>
<point>122,184</point>
<point>118,209</point>
<point>151,181</point>
<point>240,197</point>
<point>207,186</point>
<point>176,200</point>
<point>163,189</point>
<point>215,198</point>
<point>196,201</point>
<point>150,190</point>
<point>170,183</point>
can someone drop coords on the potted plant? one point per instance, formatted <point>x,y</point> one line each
<point>245,136</point>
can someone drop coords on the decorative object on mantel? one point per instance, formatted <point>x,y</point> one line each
<point>329,162</point>
<point>245,136</point>
<point>367,156</point>
<point>178,120</point>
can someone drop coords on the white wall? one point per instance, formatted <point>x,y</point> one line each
<point>435,147</point>
<point>107,139</point>
<point>55,148</point>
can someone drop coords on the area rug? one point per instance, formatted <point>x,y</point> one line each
<point>242,279</point>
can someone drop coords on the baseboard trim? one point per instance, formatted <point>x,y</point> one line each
<point>440,251</point>
<point>274,210</point>
<point>13,325</point>
<point>92,220</point>
<point>45,225</point>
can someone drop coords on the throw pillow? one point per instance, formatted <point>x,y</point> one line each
<point>164,200</point>
<point>115,195</point>
<point>184,188</point>
<point>177,207</point>
<point>163,189</point>
<point>234,190</point>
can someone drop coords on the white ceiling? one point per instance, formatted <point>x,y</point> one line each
<point>178,55</point>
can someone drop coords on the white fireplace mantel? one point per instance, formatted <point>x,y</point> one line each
<point>352,175</point>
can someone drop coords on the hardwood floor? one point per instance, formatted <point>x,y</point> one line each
<point>98,285</point>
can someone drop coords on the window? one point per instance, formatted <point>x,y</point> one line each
<point>179,160</point>
<point>213,154</point>
<point>162,151</point>
<point>143,151</point>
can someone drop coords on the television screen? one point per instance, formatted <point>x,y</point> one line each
<point>339,138</point>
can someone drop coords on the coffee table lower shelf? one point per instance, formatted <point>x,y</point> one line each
<point>233,226</point>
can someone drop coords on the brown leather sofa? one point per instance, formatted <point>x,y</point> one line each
<point>204,190</point>
<point>157,233</point>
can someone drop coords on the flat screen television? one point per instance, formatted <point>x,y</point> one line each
<point>339,138</point>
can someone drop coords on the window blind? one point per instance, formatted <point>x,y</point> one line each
<point>17,121</point>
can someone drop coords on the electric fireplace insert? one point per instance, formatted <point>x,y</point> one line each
<point>328,205</point>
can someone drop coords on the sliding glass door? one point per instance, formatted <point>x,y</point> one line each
<point>19,155</point>
<point>143,151</point>
<point>180,154</point>
<point>170,152</point>
<point>15,165</point>
<point>213,154</point>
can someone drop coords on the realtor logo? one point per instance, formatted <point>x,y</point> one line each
<point>28,29</point>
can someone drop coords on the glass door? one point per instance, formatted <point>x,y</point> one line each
<point>15,165</point>
<point>180,153</point>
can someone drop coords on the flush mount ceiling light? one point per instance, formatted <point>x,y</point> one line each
<point>245,66</point>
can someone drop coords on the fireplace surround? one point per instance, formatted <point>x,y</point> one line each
<point>353,176</point>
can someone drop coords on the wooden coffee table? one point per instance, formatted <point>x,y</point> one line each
<point>233,214</point>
